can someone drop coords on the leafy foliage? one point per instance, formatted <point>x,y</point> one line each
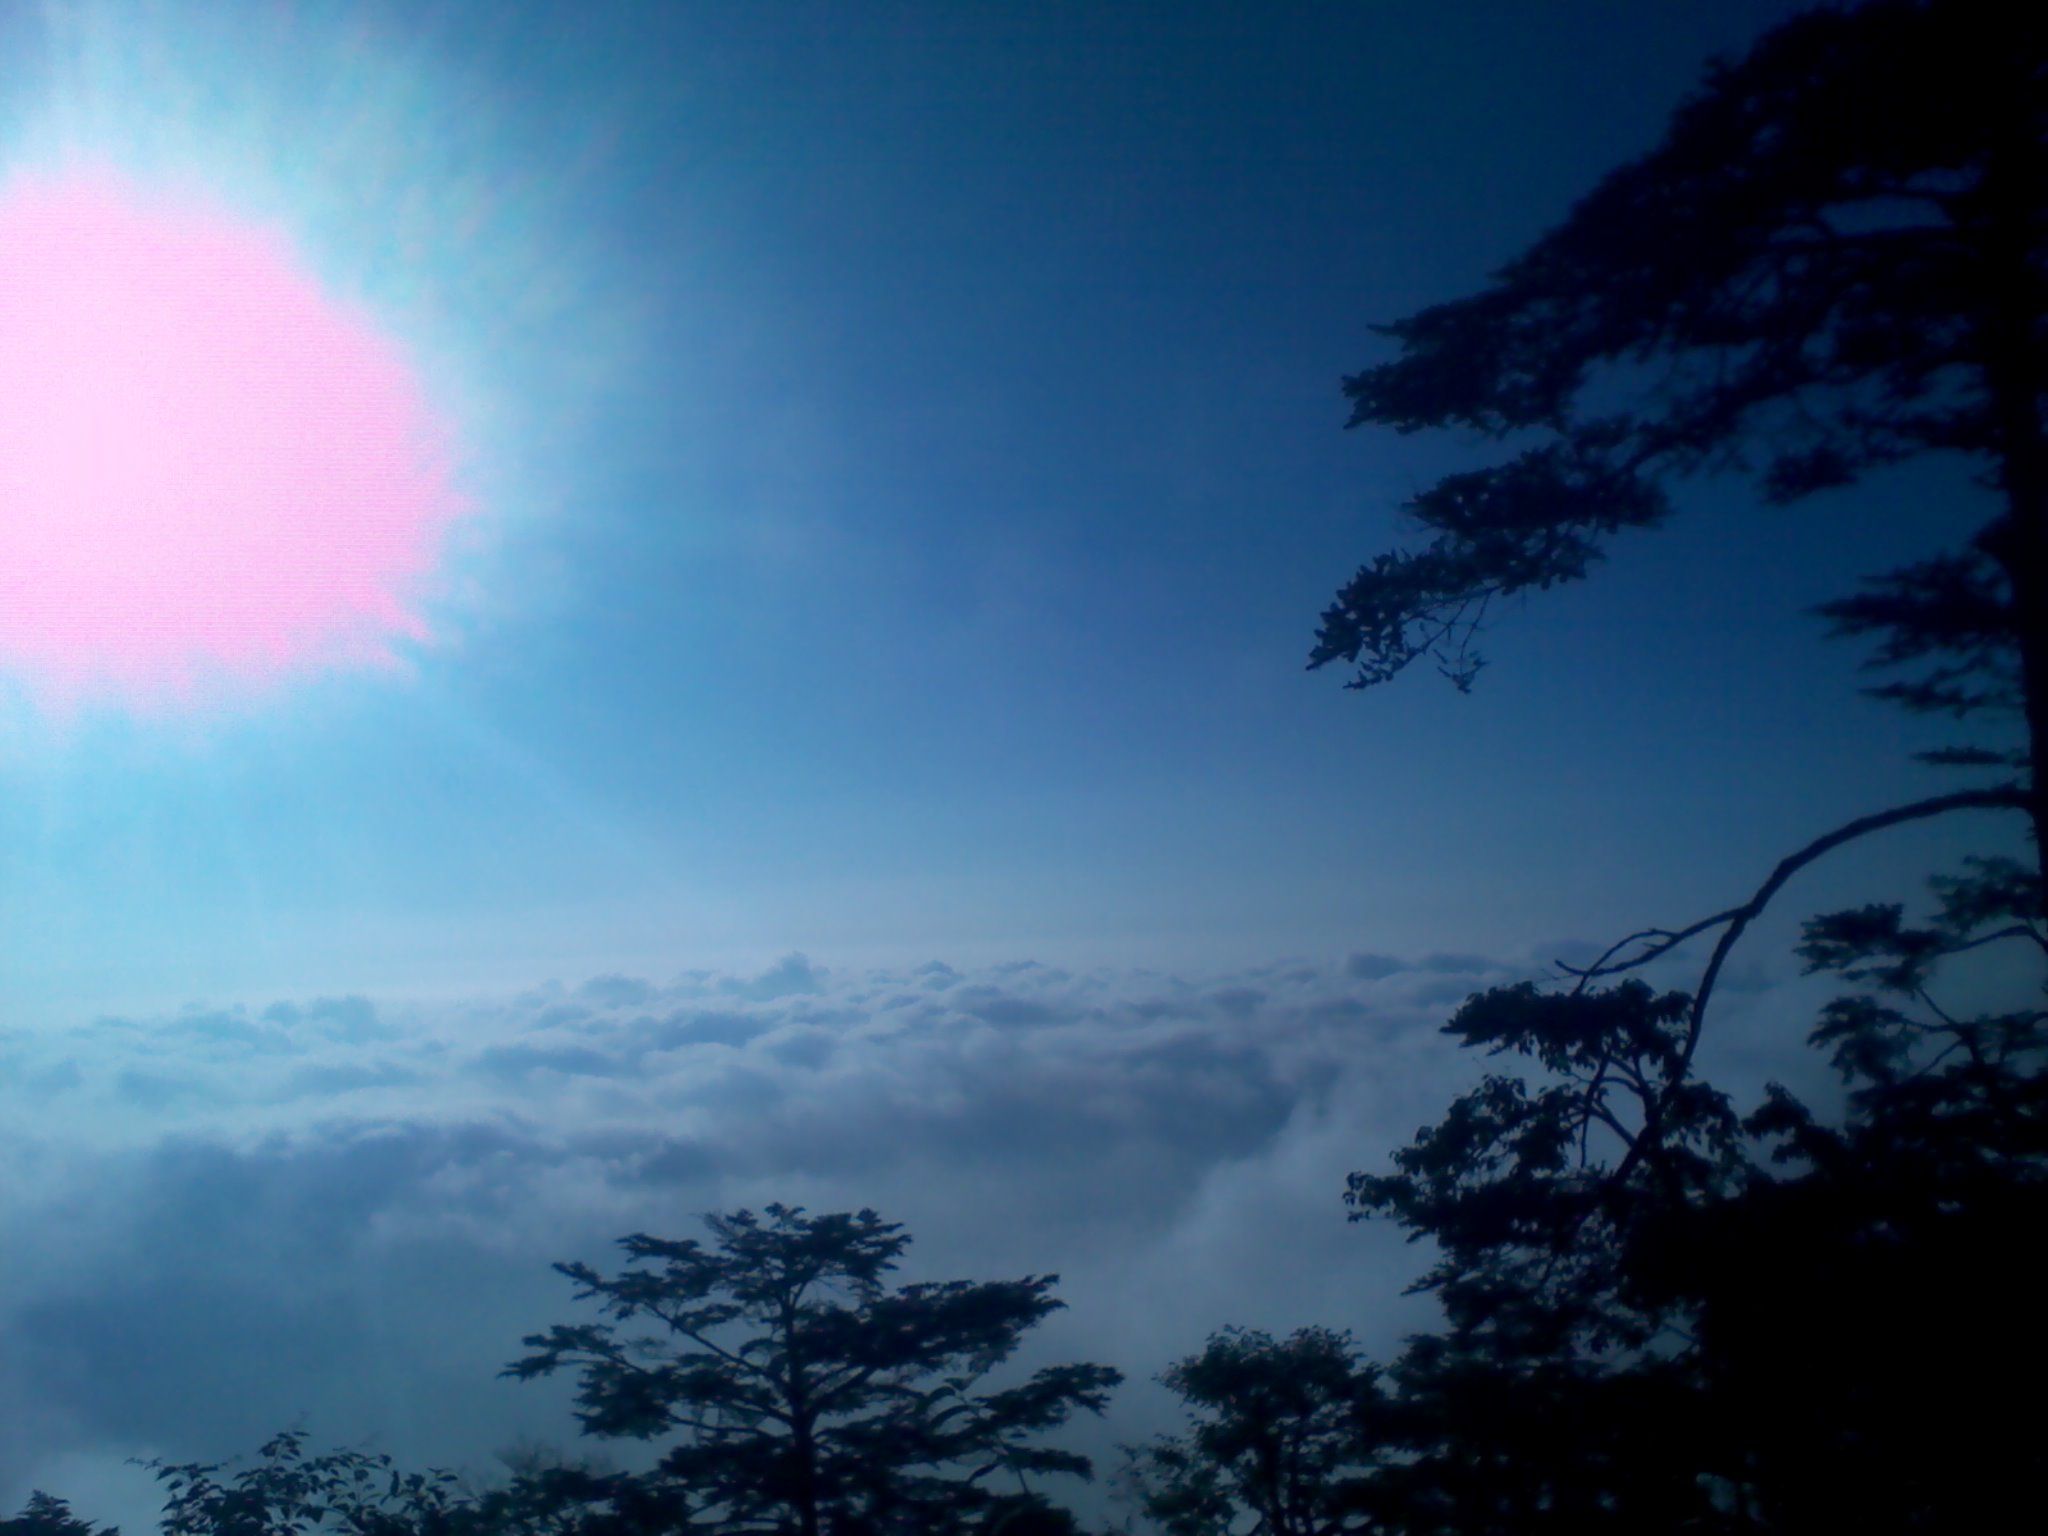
<point>1282,1432</point>
<point>288,1492</point>
<point>46,1515</point>
<point>1836,260</point>
<point>1660,1317</point>
<point>798,1392</point>
<point>1552,1400</point>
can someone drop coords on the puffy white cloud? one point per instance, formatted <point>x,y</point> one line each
<point>344,1211</point>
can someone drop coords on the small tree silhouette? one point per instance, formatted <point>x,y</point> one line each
<point>45,1515</point>
<point>288,1492</point>
<point>799,1393</point>
<point>1283,1431</point>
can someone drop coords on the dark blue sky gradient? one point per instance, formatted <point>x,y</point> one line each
<point>932,568</point>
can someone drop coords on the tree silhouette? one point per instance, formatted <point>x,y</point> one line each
<point>1282,1430</point>
<point>45,1515</point>
<point>1696,1321</point>
<point>1661,1313</point>
<point>799,1393</point>
<point>1836,260</point>
<point>288,1492</point>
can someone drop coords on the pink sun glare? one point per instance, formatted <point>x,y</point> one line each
<point>210,471</point>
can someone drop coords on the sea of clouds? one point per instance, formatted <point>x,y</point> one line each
<point>342,1213</point>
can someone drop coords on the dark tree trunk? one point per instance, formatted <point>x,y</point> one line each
<point>802,1425</point>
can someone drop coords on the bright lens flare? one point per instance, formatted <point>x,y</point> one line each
<point>210,470</point>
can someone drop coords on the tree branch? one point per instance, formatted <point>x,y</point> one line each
<point>2003,797</point>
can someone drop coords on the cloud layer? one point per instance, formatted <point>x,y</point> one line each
<point>345,1211</point>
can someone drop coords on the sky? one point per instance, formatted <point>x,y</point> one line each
<point>802,692</point>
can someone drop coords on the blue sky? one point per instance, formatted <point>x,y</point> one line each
<point>906,443</point>
<point>909,469</point>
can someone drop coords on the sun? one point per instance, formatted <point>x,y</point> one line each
<point>212,472</point>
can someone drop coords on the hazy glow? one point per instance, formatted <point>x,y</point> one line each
<point>209,470</point>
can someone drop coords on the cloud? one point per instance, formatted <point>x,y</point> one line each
<point>523,1058</point>
<point>1366,966</point>
<point>791,975</point>
<point>345,1212</point>
<point>617,991</point>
